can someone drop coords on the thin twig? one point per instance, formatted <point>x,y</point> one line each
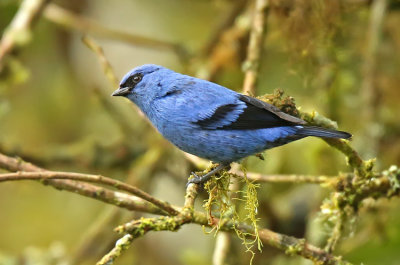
<point>99,229</point>
<point>121,245</point>
<point>50,175</point>
<point>18,32</point>
<point>190,197</point>
<point>301,247</point>
<point>138,228</point>
<point>276,178</point>
<point>185,215</point>
<point>17,164</point>
<point>286,178</point>
<point>255,47</point>
<point>88,190</point>
<point>107,68</point>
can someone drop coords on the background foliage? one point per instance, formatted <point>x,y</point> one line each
<point>334,57</point>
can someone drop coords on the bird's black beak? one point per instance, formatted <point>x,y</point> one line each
<point>122,91</point>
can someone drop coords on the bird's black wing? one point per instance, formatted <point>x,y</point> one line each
<point>255,114</point>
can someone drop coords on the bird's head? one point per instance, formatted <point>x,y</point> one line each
<point>138,81</point>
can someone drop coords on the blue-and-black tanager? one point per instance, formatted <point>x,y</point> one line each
<point>209,120</point>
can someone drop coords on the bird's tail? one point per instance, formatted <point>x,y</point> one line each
<point>322,132</point>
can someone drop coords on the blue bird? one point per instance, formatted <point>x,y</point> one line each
<point>209,120</point>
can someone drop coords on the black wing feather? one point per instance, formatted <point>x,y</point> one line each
<point>271,110</point>
<point>255,118</point>
<point>218,115</point>
<point>257,115</point>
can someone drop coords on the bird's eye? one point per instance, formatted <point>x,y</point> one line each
<point>132,81</point>
<point>137,78</point>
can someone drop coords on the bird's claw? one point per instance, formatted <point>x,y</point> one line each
<point>195,180</point>
<point>202,179</point>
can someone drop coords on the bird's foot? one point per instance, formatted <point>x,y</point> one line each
<point>198,179</point>
<point>202,179</point>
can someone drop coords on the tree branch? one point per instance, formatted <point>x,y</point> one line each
<point>88,190</point>
<point>121,245</point>
<point>107,69</point>
<point>290,245</point>
<point>51,175</point>
<point>361,168</point>
<point>285,178</point>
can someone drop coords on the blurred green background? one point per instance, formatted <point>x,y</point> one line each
<point>54,112</point>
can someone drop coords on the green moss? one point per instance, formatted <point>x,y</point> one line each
<point>221,209</point>
<point>297,248</point>
<point>219,199</point>
<point>393,174</point>
<point>285,103</point>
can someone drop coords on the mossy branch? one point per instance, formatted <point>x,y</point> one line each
<point>349,190</point>
<point>287,104</point>
<point>291,245</point>
<point>120,246</point>
<point>185,215</point>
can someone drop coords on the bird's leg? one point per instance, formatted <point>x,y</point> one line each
<point>201,179</point>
